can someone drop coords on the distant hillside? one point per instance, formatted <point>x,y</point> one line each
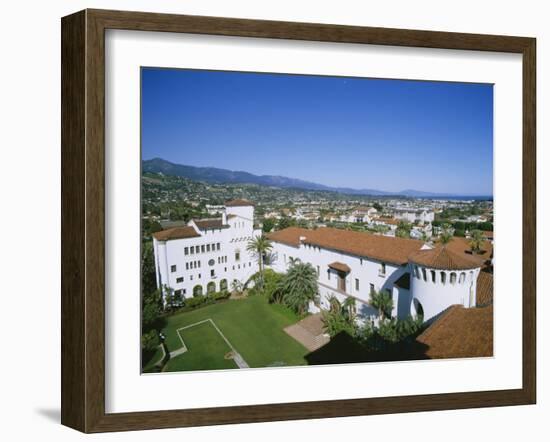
<point>221,176</point>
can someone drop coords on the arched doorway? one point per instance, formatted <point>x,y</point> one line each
<point>223,285</point>
<point>211,287</point>
<point>197,290</point>
<point>418,309</point>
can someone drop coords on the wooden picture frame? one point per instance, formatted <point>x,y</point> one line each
<point>83,220</point>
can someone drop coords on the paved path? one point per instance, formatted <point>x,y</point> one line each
<point>309,332</point>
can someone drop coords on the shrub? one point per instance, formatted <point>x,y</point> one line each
<point>150,340</point>
<point>195,301</point>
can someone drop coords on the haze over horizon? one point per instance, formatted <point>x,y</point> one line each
<point>389,135</point>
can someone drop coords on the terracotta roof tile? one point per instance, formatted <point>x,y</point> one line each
<point>443,258</point>
<point>460,333</point>
<point>289,236</point>
<point>381,248</point>
<point>340,266</point>
<point>215,223</point>
<point>238,203</point>
<point>484,289</point>
<point>462,246</point>
<point>176,233</point>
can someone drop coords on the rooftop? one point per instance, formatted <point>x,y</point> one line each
<point>460,333</point>
<point>340,266</point>
<point>381,248</point>
<point>176,233</point>
<point>484,289</point>
<point>214,223</point>
<point>443,258</point>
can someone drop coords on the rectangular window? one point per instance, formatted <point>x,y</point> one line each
<point>218,246</point>
<point>328,275</point>
<point>199,276</point>
<point>186,250</point>
<point>356,284</point>
<point>192,250</point>
<point>208,247</point>
<point>172,269</point>
<point>179,280</point>
<point>202,248</point>
<point>212,274</point>
<point>184,291</point>
<point>237,256</point>
<point>372,288</point>
<point>178,292</point>
<point>186,266</point>
<point>199,264</point>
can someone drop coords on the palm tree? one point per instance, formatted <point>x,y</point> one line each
<point>383,302</point>
<point>349,307</point>
<point>299,286</point>
<point>446,234</point>
<point>259,246</point>
<point>476,240</point>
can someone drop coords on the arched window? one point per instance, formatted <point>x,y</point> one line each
<point>433,275</point>
<point>223,285</point>
<point>424,274</point>
<point>197,290</point>
<point>443,277</point>
<point>453,278</point>
<point>211,287</point>
<point>462,278</point>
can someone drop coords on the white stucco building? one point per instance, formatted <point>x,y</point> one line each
<point>414,215</point>
<point>207,255</point>
<point>420,279</point>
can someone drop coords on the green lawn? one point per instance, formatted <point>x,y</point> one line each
<point>253,327</point>
<point>205,348</point>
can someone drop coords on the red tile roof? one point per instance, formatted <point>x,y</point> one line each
<point>443,258</point>
<point>381,248</point>
<point>215,223</point>
<point>484,290</point>
<point>289,236</point>
<point>238,203</point>
<point>340,266</point>
<point>460,333</point>
<point>462,246</point>
<point>176,233</point>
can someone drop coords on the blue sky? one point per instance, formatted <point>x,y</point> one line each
<point>350,132</point>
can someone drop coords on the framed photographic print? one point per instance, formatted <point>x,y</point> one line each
<point>270,220</point>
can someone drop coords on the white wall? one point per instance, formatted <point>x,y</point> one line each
<point>30,89</point>
<point>365,270</point>
<point>437,296</point>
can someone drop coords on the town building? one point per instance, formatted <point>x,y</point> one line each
<point>421,279</point>
<point>207,255</point>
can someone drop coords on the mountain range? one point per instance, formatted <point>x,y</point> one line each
<point>223,176</point>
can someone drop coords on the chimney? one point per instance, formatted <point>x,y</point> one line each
<point>224,217</point>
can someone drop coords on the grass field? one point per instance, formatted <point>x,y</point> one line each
<point>253,327</point>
